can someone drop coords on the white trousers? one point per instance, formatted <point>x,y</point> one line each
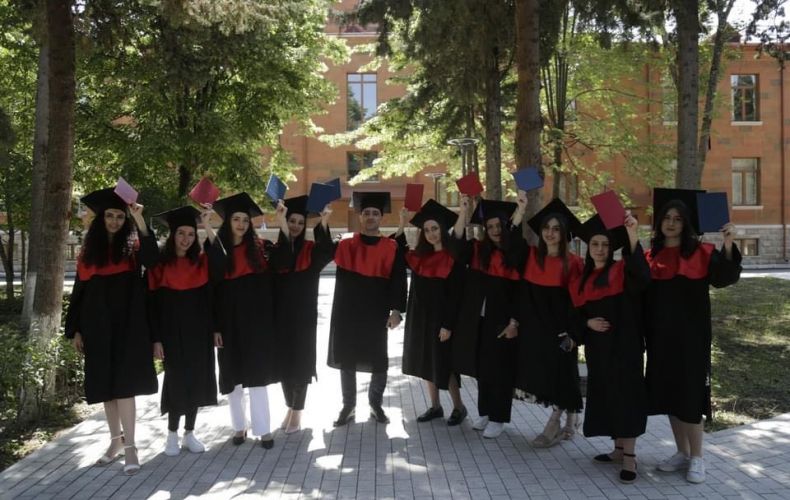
<point>259,410</point>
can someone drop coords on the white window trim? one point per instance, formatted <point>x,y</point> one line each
<point>747,207</point>
<point>673,123</point>
<point>746,124</point>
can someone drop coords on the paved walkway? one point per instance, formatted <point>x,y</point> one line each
<point>401,460</point>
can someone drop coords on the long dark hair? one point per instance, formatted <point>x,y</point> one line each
<point>602,280</point>
<point>543,249</point>
<point>689,241</point>
<point>98,250</point>
<point>168,252</point>
<point>487,247</point>
<point>425,248</point>
<point>250,239</point>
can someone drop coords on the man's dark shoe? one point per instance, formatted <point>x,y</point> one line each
<point>377,413</point>
<point>457,416</point>
<point>346,415</point>
<point>430,414</point>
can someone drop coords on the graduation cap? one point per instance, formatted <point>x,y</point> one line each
<point>433,210</point>
<point>593,226</point>
<point>297,205</point>
<point>375,199</point>
<point>662,196</point>
<point>489,209</point>
<point>240,202</point>
<point>102,199</point>
<point>182,216</point>
<point>558,208</point>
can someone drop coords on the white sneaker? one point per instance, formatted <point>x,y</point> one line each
<point>480,423</point>
<point>171,447</point>
<point>493,430</point>
<point>674,463</point>
<point>192,443</point>
<point>696,472</point>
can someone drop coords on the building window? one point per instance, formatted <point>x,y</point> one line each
<point>446,197</point>
<point>749,247</point>
<point>357,160</point>
<point>361,102</point>
<point>745,102</point>
<point>569,189</point>
<point>669,100</point>
<point>745,181</point>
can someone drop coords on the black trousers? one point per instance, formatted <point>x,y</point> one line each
<point>348,382</point>
<point>295,394</point>
<point>173,420</point>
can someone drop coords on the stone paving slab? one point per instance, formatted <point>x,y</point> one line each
<point>402,460</point>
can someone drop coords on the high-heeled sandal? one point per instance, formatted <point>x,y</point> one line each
<point>628,476</point>
<point>570,429</point>
<point>550,435</point>
<point>131,469</point>
<point>606,458</point>
<point>106,459</point>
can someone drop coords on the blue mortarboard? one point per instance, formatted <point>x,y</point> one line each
<point>713,211</point>
<point>275,189</point>
<point>320,196</point>
<point>528,179</point>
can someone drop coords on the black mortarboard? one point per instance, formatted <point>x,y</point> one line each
<point>618,236</point>
<point>488,209</point>
<point>240,202</point>
<point>182,216</point>
<point>297,205</point>
<point>662,196</point>
<point>433,210</point>
<point>376,199</point>
<point>99,201</point>
<point>556,207</point>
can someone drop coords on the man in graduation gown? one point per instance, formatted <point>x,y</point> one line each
<point>370,292</point>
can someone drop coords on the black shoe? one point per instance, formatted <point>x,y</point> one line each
<point>377,413</point>
<point>346,415</point>
<point>457,416</point>
<point>606,458</point>
<point>628,476</point>
<point>238,440</point>
<point>430,414</point>
<point>267,444</point>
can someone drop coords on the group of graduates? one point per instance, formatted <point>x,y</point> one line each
<point>486,304</point>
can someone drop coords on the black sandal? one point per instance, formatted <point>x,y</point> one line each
<point>606,458</point>
<point>627,476</point>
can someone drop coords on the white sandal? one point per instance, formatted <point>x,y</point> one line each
<point>131,469</point>
<point>106,459</point>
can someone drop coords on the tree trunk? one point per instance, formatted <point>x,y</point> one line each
<point>528,121</point>
<point>40,149</point>
<point>493,119</point>
<point>556,169</point>
<point>184,180</point>
<point>7,250</point>
<point>48,298</point>
<point>687,14</point>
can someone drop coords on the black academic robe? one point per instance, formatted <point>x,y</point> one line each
<point>298,270</point>
<point>679,328</point>
<point>545,372</point>
<point>616,394</point>
<point>108,309</point>
<point>487,305</point>
<point>370,282</point>
<point>244,316</point>
<point>434,299</point>
<point>181,318</point>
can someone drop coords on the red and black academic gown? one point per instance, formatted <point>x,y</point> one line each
<point>182,319</point>
<point>108,308</point>
<point>545,371</point>
<point>296,301</point>
<point>434,299</point>
<point>370,282</point>
<point>487,305</point>
<point>679,328</point>
<point>244,314</point>
<point>616,394</point>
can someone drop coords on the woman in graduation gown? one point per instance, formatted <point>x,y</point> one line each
<point>432,308</point>
<point>182,322</point>
<point>607,319</point>
<point>547,356</point>
<point>107,322</point>
<point>679,323</point>
<point>484,344</point>
<point>244,316</point>
<point>298,263</point>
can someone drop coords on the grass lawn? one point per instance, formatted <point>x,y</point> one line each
<point>751,351</point>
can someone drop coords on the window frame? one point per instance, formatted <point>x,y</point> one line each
<point>352,124</point>
<point>742,171</point>
<point>736,88</point>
